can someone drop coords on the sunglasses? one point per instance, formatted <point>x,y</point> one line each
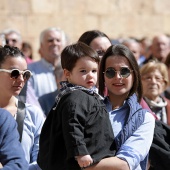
<point>100,52</point>
<point>124,72</point>
<point>15,73</point>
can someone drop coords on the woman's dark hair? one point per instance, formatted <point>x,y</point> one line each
<point>8,51</point>
<point>72,53</point>
<point>88,36</point>
<point>167,61</point>
<point>122,51</point>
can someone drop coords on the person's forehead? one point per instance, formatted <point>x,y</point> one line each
<point>134,46</point>
<point>100,43</point>
<point>12,35</point>
<point>52,34</point>
<point>161,39</point>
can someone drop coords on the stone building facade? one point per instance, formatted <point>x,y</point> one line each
<point>117,18</point>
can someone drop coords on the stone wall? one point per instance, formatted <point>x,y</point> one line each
<point>117,18</point>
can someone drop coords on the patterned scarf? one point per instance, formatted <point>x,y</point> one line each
<point>67,87</point>
<point>158,108</point>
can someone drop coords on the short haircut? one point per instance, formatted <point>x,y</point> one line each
<point>88,36</point>
<point>72,53</point>
<point>122,51</point>
<point>8,51</point>
<point>53,29</point>
<point>10,31</point>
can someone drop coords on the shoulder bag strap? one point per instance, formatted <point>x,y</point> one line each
<point>20,118</point>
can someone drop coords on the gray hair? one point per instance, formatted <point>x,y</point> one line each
<point>129,41</point>
<point>10,31</point>
<point>57,29</point>
<point>2,39</point>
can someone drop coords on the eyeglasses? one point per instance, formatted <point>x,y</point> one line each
<point>15,73</point>
<point>124,72</point>
<point>150,78</point>
<point>100,52</point>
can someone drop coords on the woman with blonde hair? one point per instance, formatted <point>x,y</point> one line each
<point>155,81</point>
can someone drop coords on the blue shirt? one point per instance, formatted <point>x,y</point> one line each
<point>11,152</point>
<point>137,146</point>
<point>33,123</point>
<point>43,80</point>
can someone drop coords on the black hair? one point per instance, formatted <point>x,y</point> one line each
<point>72,53</point>
<point>88,36</point>
<point>8,51</point>
<point>122,51</point>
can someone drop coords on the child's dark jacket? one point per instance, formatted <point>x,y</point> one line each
<point>79,125</point>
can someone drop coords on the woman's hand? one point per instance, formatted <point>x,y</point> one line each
<point>112,163</point>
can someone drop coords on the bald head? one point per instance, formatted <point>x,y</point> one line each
<point>160,47</point>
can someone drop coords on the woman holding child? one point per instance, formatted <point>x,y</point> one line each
<point>133,126</point>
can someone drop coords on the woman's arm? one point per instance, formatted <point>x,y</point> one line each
<point>133,151</point>
<point>112,163</point>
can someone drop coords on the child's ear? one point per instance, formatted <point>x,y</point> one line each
<point>66,73</point>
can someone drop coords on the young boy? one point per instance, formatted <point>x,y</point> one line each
<point>77,131</point>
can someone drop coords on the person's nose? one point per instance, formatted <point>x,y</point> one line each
<point>20,78</point>
<point>10,43</point>
<point>153,80</point>
<point>56,42</point>
<point>90,75</point>
<point>118,75</point>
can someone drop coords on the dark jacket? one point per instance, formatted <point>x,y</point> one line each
<point>159,154</point>
<point>11,152</point>
<point>79,125</point>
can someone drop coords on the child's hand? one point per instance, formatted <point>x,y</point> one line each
<point>84,161</point>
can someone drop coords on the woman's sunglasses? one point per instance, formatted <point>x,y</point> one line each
<point>15,73</point>
<point>111,72</point>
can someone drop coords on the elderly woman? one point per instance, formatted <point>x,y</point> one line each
<point>155,80</point>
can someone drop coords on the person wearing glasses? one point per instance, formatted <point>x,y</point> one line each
<point>97,40</point>
<point>13,75</point>
<point>133,126</point>
<point>155,81</point>
<point>14,39</point>
<point>100,42</point>
<point>77,131</point>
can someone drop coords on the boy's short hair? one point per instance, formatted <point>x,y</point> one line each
<point>72,53</point>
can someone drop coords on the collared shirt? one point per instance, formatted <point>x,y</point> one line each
<point>43,80</point>
<point>137,146</point>
<point>33,122</point>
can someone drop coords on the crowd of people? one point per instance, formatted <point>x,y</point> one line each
<point>95,104</point>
